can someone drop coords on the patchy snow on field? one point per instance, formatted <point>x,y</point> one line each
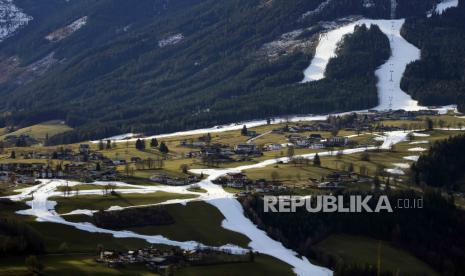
<point>12,18</point>
<point>44,209</point>
<point>417,134</point>
<point>401,165</point>
<point>392,138</point>
<point>419,142</point>
<point>286,44</point>
<point>395,171</point>
<point>413,158</point>
<point>389,74</point>
<point>417,149</point>
<point>120,137</point>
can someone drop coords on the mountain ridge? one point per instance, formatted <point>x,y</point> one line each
<point>128,83</point>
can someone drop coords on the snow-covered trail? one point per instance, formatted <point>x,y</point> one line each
<point>389,74</point>
<point>232,210</point>
<point>44,210</point>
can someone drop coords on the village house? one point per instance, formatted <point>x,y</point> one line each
<point>337,141</point>
<point>273,147</point>
<point>119,162</point>
<point>335,180</point>
<point>236,180</point>
<point>167,180</point>
<point>317,145</point>
<point>315,137</point>
<point>248,149</point>
<point>160,260</point>
<point>84,149</point>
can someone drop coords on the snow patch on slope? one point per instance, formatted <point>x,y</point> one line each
<point>68,30</point>
<point>171,40</point>
<point>11,19</point>
<point>446,4</point>
<point>285,44</point>
<point>316,10</point>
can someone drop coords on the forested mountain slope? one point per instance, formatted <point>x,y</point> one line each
<point>439,77</point>
<point>113,66</point>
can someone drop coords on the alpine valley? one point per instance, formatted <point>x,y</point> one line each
<point>232,137</point>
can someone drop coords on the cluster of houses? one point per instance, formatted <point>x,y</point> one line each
<point>334,180</point>
<point>337,180</point>
<point>313,141</point>
<point>239,180</point>
<point>316,141</point>
<point>318,126</point>
<point>218,152</point>
<point>174,181</point>
<point>28,173</point>
<point>400,114</point>
<point>161,261</point>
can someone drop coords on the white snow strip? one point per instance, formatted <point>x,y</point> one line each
<point>446,4</point>
<point>417,149</point>
<point>412,158</point>
<point>43,209</point>
<point>417,134</point>
<point>401,165</point>
<point>392,138</point>
<point>419,142</point>
<point>80,212</point>
<point>395,171</point>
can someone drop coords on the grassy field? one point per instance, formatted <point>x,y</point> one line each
<point>69,265</point>
<point>262,266</point>
<point>86,187</point>
<point>55,235</point>
<point>81,248</point>
<point>40,131</point>
<point>97,202</point>
<point>362,250</point>
<point>289,173</point>
<point>85,265</point>
<point>197,221</point>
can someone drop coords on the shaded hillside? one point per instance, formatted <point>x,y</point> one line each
<point>442,166</point>
<point>439,77</point>
<point>158,66</point>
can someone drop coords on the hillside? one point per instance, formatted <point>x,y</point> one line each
<point>110,67</point>
<point>438,78</point>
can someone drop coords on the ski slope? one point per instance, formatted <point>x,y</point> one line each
<point>389,74</point>
<point>446,4</point>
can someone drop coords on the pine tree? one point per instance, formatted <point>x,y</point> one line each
<point>244,131</point>
<point>316,160</point>
<point>140,144</point>
<point>101,146</point>
<point>164,148</point>
<point>154,143</point>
